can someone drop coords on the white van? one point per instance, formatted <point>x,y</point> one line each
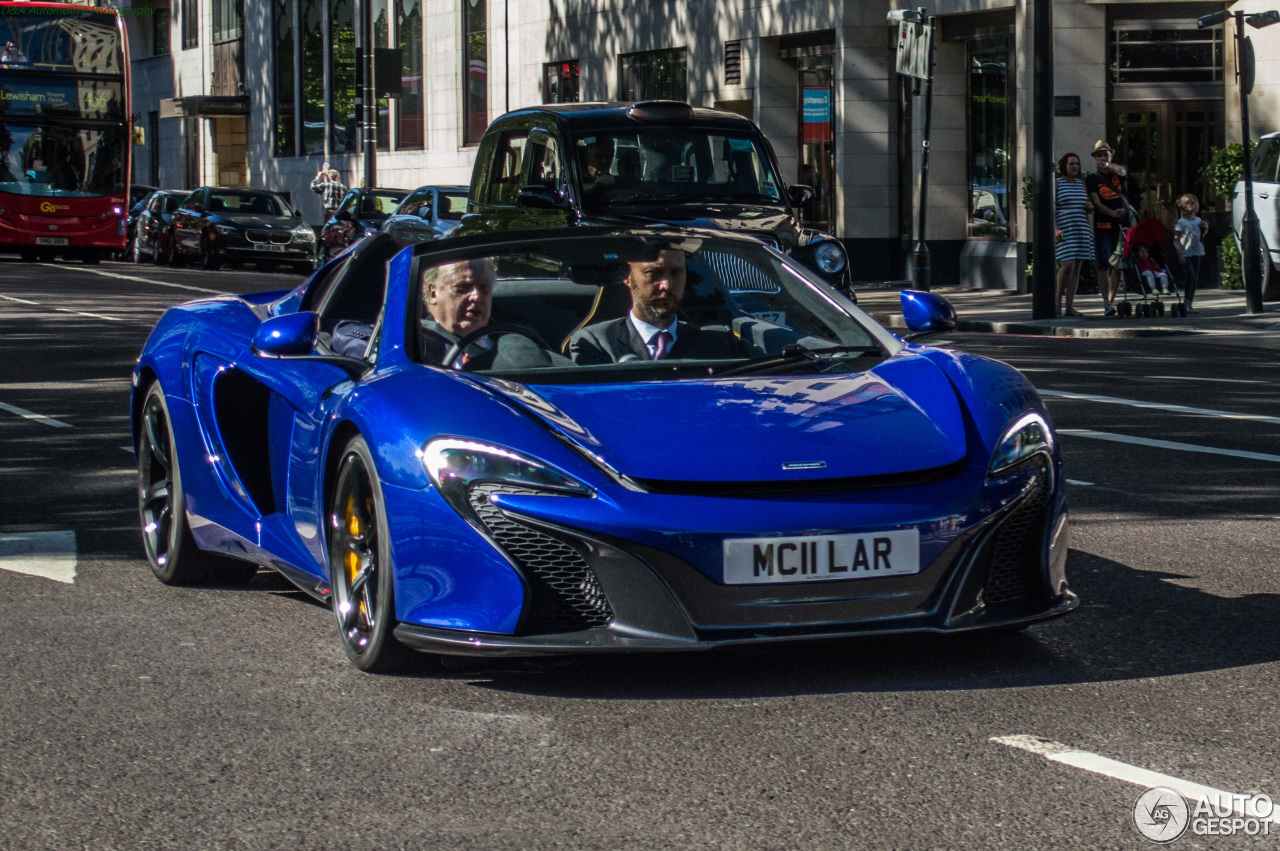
<point>1266,204</point>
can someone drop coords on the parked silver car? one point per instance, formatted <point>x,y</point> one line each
<point>429,212</point>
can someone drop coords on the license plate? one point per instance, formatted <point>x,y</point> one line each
<point>267,246</point>
<point>51,240</point>
<point>821,558</point>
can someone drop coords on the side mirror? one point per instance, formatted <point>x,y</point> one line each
<point>541,198</point>
<point>343,216</point>
<point>297,214</point>
<point>799,195</point>
<point>926,313</point>
<point>291,334</point>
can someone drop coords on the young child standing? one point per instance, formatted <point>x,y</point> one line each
<point>1157,278</point>
<point>1191,231</point>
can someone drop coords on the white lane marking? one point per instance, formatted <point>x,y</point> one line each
<point>51,555</point>
<point>1117,770</point>
<point>1078,482</point>
<point>82,313</point>
<point>128,449</point>
<point>1221,380</point>
<point>1036,369</point>
<point>145,280</point>
<point>1168,444</point>
<point>32,415</point>
<point>18,300</point>
<point>1160,406</point>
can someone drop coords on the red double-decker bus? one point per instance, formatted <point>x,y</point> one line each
<point>64,130</point>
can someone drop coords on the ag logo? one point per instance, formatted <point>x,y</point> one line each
<point>1161,814</point>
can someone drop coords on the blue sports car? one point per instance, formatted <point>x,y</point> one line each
<point>595,440</point>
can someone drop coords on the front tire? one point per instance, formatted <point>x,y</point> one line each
<point>209,259</point>
<point>360,569</point>
<point>171,549</point>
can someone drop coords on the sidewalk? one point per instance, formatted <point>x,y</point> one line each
<point>1221,314</point>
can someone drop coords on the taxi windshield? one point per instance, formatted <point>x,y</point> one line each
<point>608,309</point>
<point>673,164</point>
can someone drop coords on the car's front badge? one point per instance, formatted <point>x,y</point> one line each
<point>805,465</point>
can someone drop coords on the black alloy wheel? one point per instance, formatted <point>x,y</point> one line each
<point>209,259</point>
<point>360,570</point>
<point>172,257</point>
<point>171,549</point>
<point>159,249</point>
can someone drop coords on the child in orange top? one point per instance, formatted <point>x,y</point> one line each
<point>1157,278</point>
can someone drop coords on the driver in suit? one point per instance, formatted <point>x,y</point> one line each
<point>651,330</point>
<point>458,300</point>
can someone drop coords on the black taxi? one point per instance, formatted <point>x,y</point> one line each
<point>648,163</point>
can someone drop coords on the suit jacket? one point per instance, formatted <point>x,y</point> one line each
<point>616,339</point>
<point>506,351</point>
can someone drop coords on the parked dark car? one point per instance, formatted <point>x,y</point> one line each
<point>218,225</point>
<point>361,213</point>
<point>137,197</point>
<point>429,212</point>
<point>155,217</point>
<point>649,163</point>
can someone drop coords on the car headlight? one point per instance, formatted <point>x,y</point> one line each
<point>1028,435</point>
<point>304,233</point>
<point>455,464</point>
<point>226,230</point>
<point>830,257</point>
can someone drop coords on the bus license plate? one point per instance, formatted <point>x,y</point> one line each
<point>51,240</point>
<point>821,558</point>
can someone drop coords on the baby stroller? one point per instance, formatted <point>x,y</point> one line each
<point>1151,234</point>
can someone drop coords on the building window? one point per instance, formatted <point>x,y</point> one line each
<point>409,32</point>
<point>342,75</point>
<point>313,73</point>
<point>1174,51</point>
<point>228,20</point>
<point>160,32</point>
<point>286,133</point>
<point>190,24</point>
<point>991,139</point>
<point>475,71</point>
<point>153,147</point>
<point>733,63</point>
<point>560,82</point>
<point>658,74</point>
<point>817,140</point>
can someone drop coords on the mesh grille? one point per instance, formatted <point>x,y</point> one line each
<point>566,594</point>
<point>278,237</point>
<point>1013,572</point>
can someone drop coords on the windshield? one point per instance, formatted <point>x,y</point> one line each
<point>452,206</point>
<point>379,205</point>
<point>61,161</point>
<point>83,42</point>
<point>672,164</point>
<point>591,310</point>
<point>247,203</point>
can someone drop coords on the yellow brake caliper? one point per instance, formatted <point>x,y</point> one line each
<point>353,558</point>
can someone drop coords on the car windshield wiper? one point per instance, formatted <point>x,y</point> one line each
<point>792,353</point>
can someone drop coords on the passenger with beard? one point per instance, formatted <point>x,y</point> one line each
<point>651,330</point>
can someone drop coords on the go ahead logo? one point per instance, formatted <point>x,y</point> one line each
<point>1162,815</point>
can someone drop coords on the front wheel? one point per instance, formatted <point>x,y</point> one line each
<point>171,549</point>
<point>360,569</point>
<point>209,259</point>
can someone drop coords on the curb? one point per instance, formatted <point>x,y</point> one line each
<point>895,322</point>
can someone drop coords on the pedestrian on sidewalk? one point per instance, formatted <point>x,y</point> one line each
<point>1191,231</point>
<point>1107,187</point>
<point>1071,230</point>
<point>328,185</point>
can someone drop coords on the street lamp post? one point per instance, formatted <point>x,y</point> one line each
<point>1251,262</point>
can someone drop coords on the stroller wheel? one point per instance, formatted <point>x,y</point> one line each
<point>1124,309</point>
<point>1159,306</point>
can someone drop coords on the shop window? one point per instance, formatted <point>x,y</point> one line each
<point>560,82</point>
<point>817,148</point>
<point>1170,51</point>
<point>991,140</point>
<point>475,71</point>
<point>658,74</point>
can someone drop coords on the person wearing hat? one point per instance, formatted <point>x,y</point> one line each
<point>1107,187</point>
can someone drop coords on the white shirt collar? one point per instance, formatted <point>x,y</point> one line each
<point>647,332</point>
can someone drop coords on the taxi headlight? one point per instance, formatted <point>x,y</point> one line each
<point>455,464</point>
<point>830,257</point>
<point>1028,435</point>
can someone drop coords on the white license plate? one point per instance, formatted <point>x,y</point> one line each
<point>52,240</point>
<point>267,246</point>
<point>821,558</point>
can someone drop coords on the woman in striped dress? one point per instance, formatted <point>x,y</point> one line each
<point>1071,229</point>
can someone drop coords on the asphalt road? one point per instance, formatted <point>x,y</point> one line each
<point>136,716</point>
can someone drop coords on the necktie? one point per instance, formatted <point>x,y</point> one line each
<point>662,345</point>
